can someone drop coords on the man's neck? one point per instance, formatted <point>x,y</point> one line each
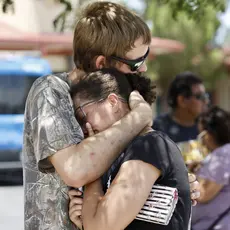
<point>75,75</point>
<point>183,118</point>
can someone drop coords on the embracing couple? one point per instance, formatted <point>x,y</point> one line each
<point>91,128</point>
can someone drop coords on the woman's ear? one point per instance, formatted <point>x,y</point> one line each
<point>209,141</point>
<point>100,62</point>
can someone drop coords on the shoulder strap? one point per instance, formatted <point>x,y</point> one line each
<point>219,219</point>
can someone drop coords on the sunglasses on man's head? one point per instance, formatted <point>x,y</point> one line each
<point>134,65</point>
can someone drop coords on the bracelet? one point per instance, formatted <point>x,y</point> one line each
<point>192,181</point>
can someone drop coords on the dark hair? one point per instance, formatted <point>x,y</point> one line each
<point>101,83</point>
<point>182,85</point>
<point>217,122</point>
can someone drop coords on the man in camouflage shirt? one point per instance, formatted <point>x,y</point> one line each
<point>54,158</point>
<point>55,155</point>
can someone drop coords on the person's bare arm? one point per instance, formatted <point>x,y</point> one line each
<point>194,188</point>
<point>209,190</point>
<point>123,200</point>
<point>80,164</point>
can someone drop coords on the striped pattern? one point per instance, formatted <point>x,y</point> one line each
<point>160,205</point>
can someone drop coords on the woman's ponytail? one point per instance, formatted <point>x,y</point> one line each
<point>143,85</point>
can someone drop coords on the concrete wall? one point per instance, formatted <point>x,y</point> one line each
<point>24,18</point>
<point>36,16</point>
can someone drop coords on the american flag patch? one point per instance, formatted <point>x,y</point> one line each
<point>159,206</point>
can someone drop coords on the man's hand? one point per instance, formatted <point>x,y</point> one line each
<point>194,188</point>
<point>137,102</point>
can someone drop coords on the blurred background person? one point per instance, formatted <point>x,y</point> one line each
<point>213,209</point>
<point>187,99</point>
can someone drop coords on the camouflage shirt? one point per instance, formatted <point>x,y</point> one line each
<point>50,126</point>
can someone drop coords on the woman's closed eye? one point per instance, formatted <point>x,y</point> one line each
<point>82,119</point>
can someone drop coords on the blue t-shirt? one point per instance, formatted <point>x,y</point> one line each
<point>175,131</point>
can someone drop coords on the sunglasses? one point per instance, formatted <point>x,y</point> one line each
<point>201,96</point>
<point>134,65</point>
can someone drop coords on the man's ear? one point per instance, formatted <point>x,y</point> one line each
<point>113,100</point>
<point>181,101</point>
<point>100,62</point>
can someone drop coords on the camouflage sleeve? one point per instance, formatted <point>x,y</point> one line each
<point>54,126</point>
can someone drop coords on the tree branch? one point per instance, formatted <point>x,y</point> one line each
<point>6,5</point>
<point>193,8</point>
<point>61,18</point>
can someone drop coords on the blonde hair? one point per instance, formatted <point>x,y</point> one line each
<point>106,28</point>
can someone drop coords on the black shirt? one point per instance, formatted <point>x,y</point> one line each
<point>157,149</point>
<point>178,133</point>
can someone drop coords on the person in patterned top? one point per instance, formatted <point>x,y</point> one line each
<point>213,210</point>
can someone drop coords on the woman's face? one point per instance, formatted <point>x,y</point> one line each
<point>206,138</point>
<point>101,114</point>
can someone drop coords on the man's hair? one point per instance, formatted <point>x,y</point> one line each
<point>107,29</point>
<point>182,85</point>
<point>99,84</point>
<point>217,122</point>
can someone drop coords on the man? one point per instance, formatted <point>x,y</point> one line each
<point>187,99</point>
<point>55,155</point>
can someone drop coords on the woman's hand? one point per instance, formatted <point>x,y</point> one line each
<point>137,102</point>
<point>194,188</point>
<point>75,207</point>
<point>76,200</point>
<point>194,166</point>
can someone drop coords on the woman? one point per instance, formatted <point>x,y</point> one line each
<point>151,158</point>
<point>213,207</point>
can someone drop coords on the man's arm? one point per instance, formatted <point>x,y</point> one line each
<point>124,199</point>
<point>80,164</point>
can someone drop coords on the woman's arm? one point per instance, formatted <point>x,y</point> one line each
<point>209,190</point>
<point>124,199</point>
